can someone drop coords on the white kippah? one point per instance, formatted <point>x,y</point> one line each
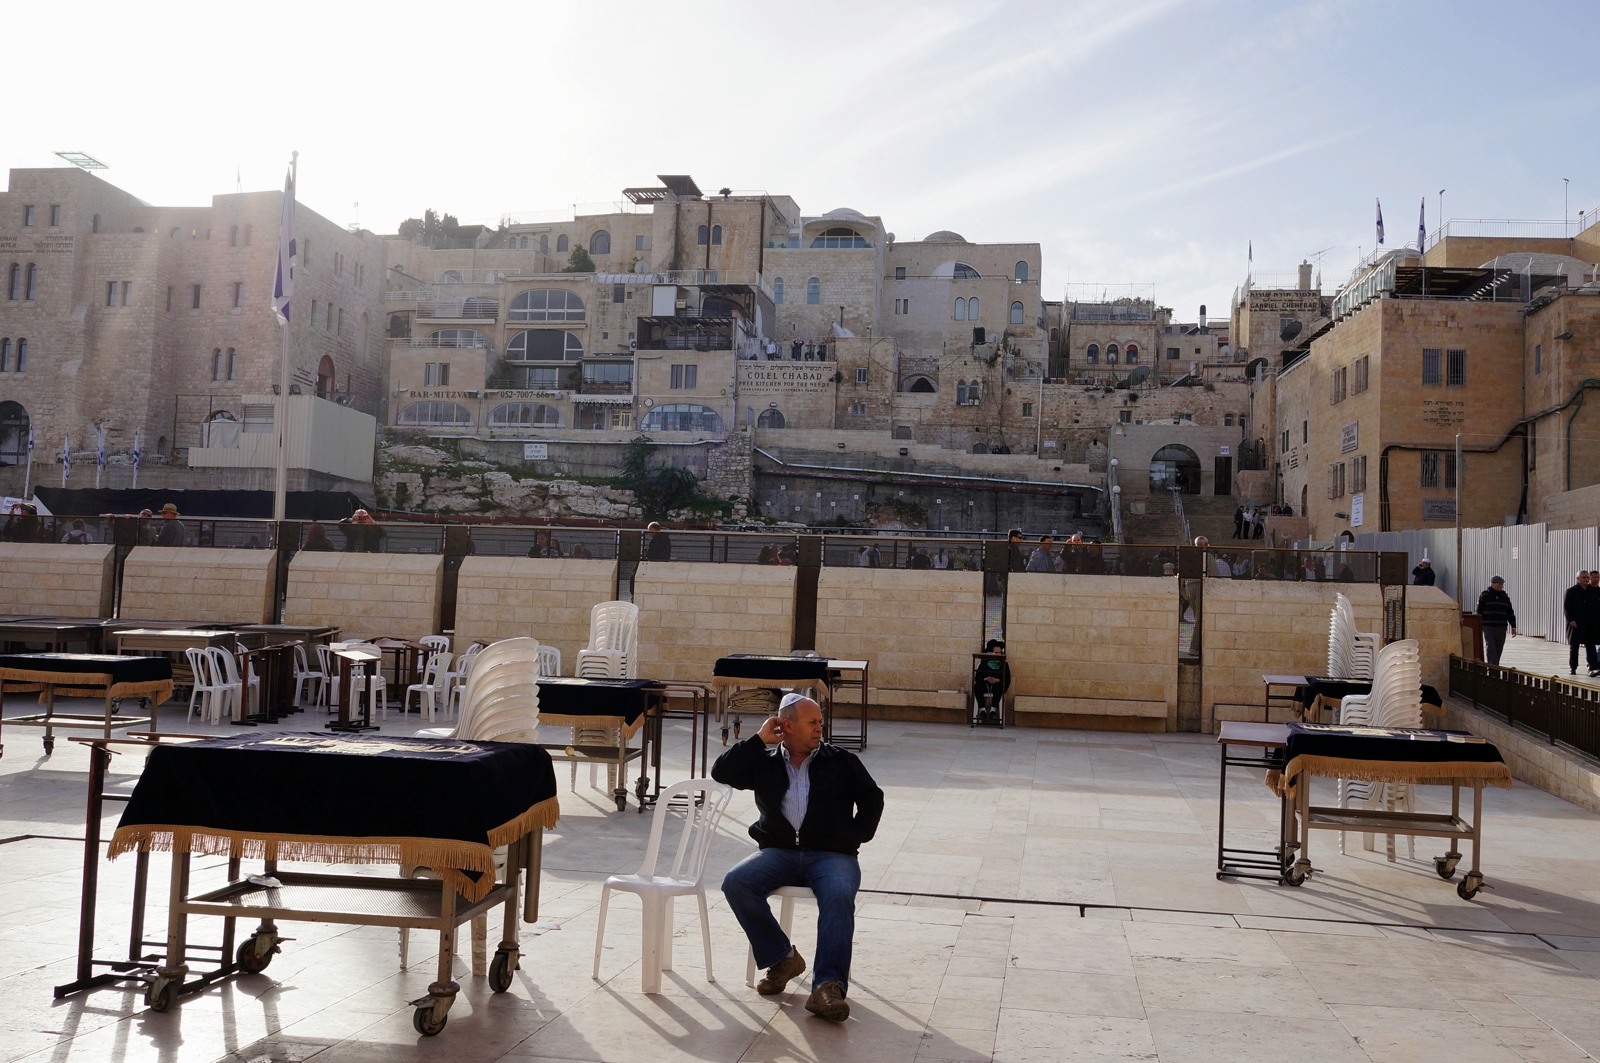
<point>790,699</point>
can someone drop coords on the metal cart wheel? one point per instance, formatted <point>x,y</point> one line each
<point>1446,865</point>
<point>1297,874</point>
<point>162,995</point>
<point>427,1022</point>
<point>500,970</point>
<point>49,746</point>
<point>256,951</point>
<point>1468,887</point>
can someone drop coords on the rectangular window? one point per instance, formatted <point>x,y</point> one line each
<point>329,326</point>
<point>1431,460</point>
<point>1340,376</point>
<point>638,242</point>
<point>127,292</point>
<point>1125,416</point>
<point>1283,441</point>
<point>1336,480</point>
<point>313,313</point>
<point>194,297</point>
<point>436,375</point>
<point>684,377</point>
<point>621,419</point>
<point>55,215</point>
<point>1450,469</point>
<point>1358,474</point>
<point>27,216</point>
<point>1027,409</point>
<point>1456,368</point>
<point>899,273</point>
<point>1363,365</point>
<point>1305,431</point>
<point>1172,354</point>
<point>861,375</point>
<point>341,321</point>
<point>1538,357</point>
<point>619,292</point>
<point>858,409</point>
<point>238,294</point>
<point>1431,366</point>
<point>111,293</point>
<point>5,356</point>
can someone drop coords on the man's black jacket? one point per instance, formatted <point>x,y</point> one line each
<point>1494,606</point>
<point>842,812</point>
<point>1577,605</point>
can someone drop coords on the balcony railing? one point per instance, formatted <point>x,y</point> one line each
<point>606,387</point>
<point>433,342</point>
<point>684,342</point>
<point>407,296</point>
<point>460,309</point>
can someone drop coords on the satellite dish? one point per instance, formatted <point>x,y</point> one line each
<point>1138,376</point>
<point>1289,330</point>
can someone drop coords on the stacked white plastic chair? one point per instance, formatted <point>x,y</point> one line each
<point>456,678</point>
<point>1395,701</point>
<point>1351,653</point>
<point>705,803</point>
<point>205,694</point>
<point>612,653</point>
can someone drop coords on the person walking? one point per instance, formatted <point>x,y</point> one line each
<point>1497,614</point>
<point>1576,607</point>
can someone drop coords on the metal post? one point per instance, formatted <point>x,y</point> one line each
<point>280,486</point>
<point>1459,472</point>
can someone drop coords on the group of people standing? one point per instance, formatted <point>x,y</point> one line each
<point>1581,607</point>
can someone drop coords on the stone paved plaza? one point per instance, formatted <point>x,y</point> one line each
<point>1031,896</point>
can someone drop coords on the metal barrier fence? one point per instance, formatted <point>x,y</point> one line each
<point>1566,714</point>
<point>892,551</point>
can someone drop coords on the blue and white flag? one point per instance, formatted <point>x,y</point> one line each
<point>1422,225</point>
<point>1380,221</point>
<point>30,442</point>
<point>100,449</point>
<point>136,457</point>
<point>66,457</point>
<point>288,254</point>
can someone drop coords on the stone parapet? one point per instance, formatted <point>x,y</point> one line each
<point>917,628</point>
<point>691,613</point>
<point>198,583</point>
<point>546,598</point>
<point>46,579</point>
<point>366,595</point>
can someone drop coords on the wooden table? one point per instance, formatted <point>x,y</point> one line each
<point>407,655</point>
<point>1266,741</point>
<point>1268,682</point>
<point>836,681</point>
<point>274,663</point>
<point>55,633</point>
<point>349,660</point>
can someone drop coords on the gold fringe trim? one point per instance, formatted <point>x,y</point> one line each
<point>1401,771</point>
<point>613,722</point>
<point>445,857</point>
<point>25,682</point>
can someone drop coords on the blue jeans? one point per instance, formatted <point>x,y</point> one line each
<point>833,877</point>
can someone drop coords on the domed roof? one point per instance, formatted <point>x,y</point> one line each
<point>845,214</point>
<point>944,236</point>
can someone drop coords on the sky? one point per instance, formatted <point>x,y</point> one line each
<point>1140,142</point>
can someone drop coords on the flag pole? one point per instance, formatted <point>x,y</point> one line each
<point>27,480</point>
<point>280,487</point>
<point>136,459</point>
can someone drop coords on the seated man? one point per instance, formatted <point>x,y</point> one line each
<point>817,804</point>
<point>990,681</point>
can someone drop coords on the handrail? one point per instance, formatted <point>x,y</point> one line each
<point>1183,518</point>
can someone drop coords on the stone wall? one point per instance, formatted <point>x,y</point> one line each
<point>917,629</point>
<point>1084,648</point>
<point>201,584</point>
<point>366,595</point>
<point>548,599</point>
<point>1434,619</point>
<point>691,613</point>
<point>44,579</point>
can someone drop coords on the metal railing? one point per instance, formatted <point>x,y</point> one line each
<point>897,551</point>
<point>1565,714</point>
<point>1183,518</point>
<point>471,307</point>
<point>456,343</point>
<point>406,296</point>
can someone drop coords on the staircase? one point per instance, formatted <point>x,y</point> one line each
<point>1209,515</point>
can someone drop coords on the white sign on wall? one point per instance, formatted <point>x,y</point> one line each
<point>535,451</point>
<point>1357,509</point>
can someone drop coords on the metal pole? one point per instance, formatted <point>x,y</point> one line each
<point>280,486</point>
<point>1459,471</point>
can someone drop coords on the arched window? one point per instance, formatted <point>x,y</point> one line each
<point>232,363</point>
<point>561,243</point>
<point>921,385</point>
<point>14,282</point>
<point>5,354</point>
<point>1055,334</point>
<point>546,304</point>
<point>436,413</point>
<point>681,417</point>
<point>233,236</point>
<point>216,363</point>
<point>600,243</point>
<point>13,434</point>
<point>1111,354</point>
<point>544,345</point>
<point>839,237</point>
<point>716,234</point>
<point>777,290</point>
<point>450,276</point>
<point>31,289</point>
<point>961,393</point>
<point>176,232</point>
<point>966,272</point>
<point>1092,355</point>
<point>813,292</point>
<point>544,244</point>
<point>248,229</point>
<point>974,393</point>
<point>326,378</point>
<point>525,414</point>
<point>702,236</point>
<point>961,310</point>
<point>1016,313</point>
<point>22,356</point>
<point>94,225</point>
<point>522,244</point>
<point>1021,272</point>
<point>458,337</point>
<point>770,419</point>
<point>1131,353</point>
<point>972,308</point>
<point>399,326</point>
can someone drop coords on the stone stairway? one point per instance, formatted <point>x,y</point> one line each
<point>1211,516</point>
<point>1208,515</point>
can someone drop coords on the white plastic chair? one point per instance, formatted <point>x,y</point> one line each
<point>614,626</point>
<point>204,694</point>
<point>330,672</point>
<point>436,643</point>
<point>225,674</point>
<point>306,677</point>
<point>549,660</point>
<point>370,682</point>
<point>502,669</point>
<point>1395,701</point>
<point>706,801</point>
<point>788,894</point>
<point>432,689</point>
<point>597,664</point>
<point>456,678</point>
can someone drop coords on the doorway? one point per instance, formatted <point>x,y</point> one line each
<point>1223,475</point>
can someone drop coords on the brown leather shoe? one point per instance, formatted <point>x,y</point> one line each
<point>827,1001</point>
<point>778,975</point>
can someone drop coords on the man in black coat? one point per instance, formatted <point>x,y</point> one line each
<point>1422,575</point>
<point>817,804</point>
<point>1497,614</point>
<point>1577,607</point>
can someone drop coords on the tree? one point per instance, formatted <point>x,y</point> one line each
<point>659,490</point>
<point>431,229</point>
<point>579,261</point>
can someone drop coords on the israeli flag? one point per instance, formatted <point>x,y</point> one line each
<point>136,452</point>
<point>100,449</point>
<point>66,457</point>
<point>1380,221</point>
<point>288,255</point>
<point>1422,225</point>
<point>30,441</point>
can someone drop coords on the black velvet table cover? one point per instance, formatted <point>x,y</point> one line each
<point>74,666</point>
<point>349,798</point>
<point>1334,689</point>
<point>771,667</point>
<point>1413,744</point>
<point>626,699</point>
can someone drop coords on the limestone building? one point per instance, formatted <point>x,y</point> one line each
<point>119,314</point>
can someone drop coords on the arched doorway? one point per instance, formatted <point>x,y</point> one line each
<point>1175,466</point>
<point>770,419</point>
<point>327,379</point>
<point>13,434</point>
<point>1303,501</point>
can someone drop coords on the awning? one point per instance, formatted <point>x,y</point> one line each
<point>605,400</point>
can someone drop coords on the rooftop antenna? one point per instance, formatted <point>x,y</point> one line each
<point>1318,256</point>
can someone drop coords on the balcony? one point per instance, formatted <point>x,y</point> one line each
<point>468,309</point>
<point>606,387</point>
